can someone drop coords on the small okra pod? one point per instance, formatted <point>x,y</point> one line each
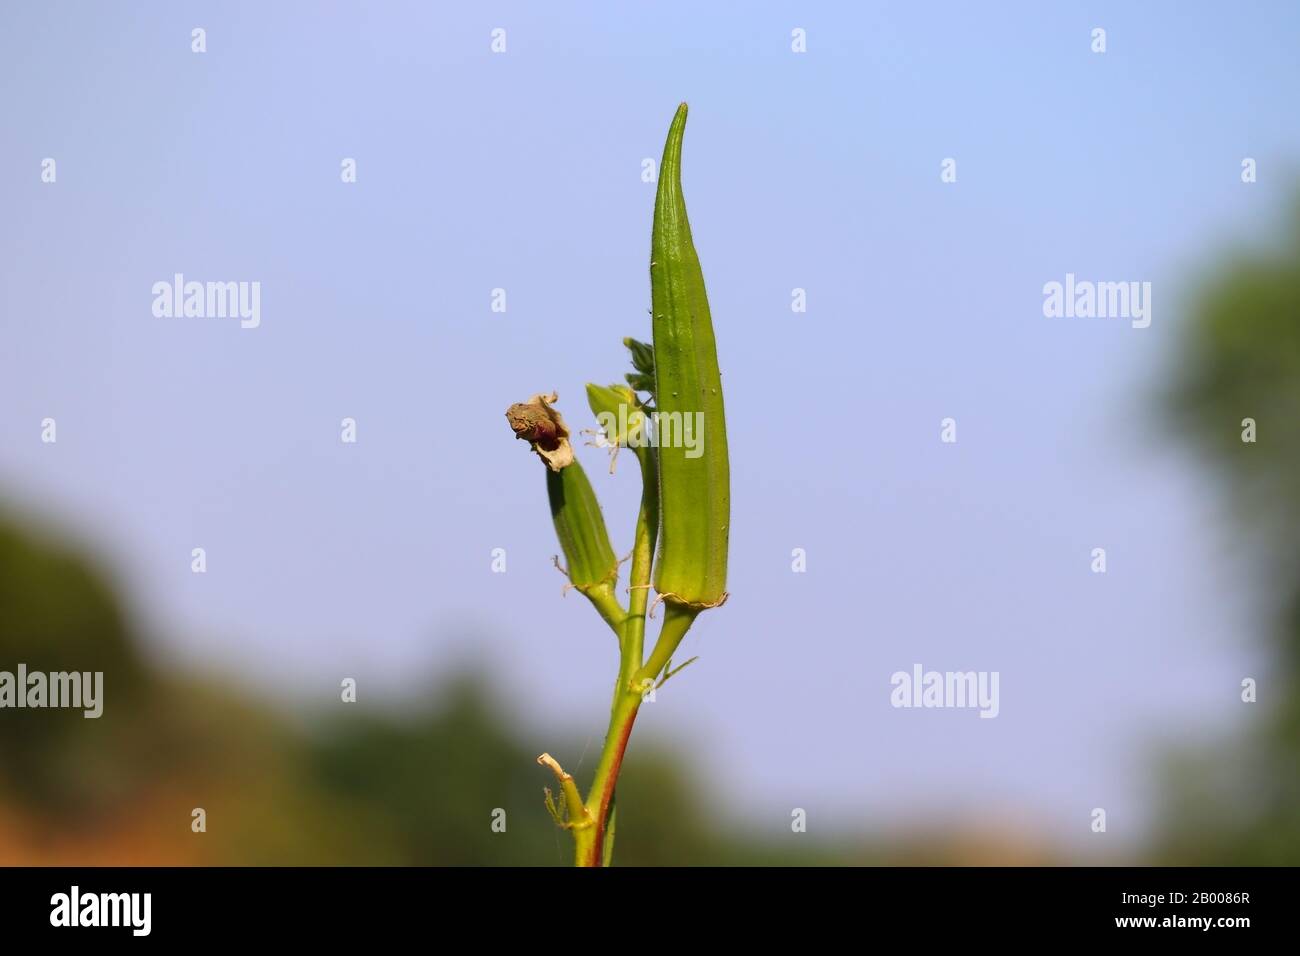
<point>579,524</point>
<point>694,476</point>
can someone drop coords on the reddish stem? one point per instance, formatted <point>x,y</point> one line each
<point>607,794</point>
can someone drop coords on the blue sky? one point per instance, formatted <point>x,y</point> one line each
<point>522,171</point>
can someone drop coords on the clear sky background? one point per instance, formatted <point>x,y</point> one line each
<point>523,171</point>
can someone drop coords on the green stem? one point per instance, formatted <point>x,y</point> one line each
<point>606,604</point>
<point>627,701</point>
<point>607,853</point>
<point>647,530</point>
<point>627,693</point>
<point>677,621</point>
<point>580,823</point>
<point>601,796</point>
<point>583,842</point>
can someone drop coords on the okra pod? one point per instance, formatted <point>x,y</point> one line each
<point>694,476</point>
<point>579,524</point>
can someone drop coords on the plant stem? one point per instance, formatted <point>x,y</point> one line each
<point>677,621</point>
<point>607,851</point>
<point>602,787</point>
<point>627,701</point>
<point>647,530</point>
<point>606,604</point>
<point>627,693</point>
<point>580,823</point>
<point>583,841</point>
<point>632,678</point>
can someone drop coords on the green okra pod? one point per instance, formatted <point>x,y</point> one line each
<point>694,475</point>
<point>579,524</point>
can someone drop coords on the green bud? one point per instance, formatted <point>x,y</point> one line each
<point>619,415</point>
<point>643,356</point>
<point>643,361</point>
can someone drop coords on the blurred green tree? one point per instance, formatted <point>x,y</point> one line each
<point>59,614</point>
<point>1237,377</point>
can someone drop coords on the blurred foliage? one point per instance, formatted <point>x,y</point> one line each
<point>1241,359</point>
<point>1238,800</point>
<point>57,614</point>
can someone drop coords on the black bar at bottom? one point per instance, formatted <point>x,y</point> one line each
<point>547,906</point>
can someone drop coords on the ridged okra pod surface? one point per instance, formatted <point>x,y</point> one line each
<point>694,475</point>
